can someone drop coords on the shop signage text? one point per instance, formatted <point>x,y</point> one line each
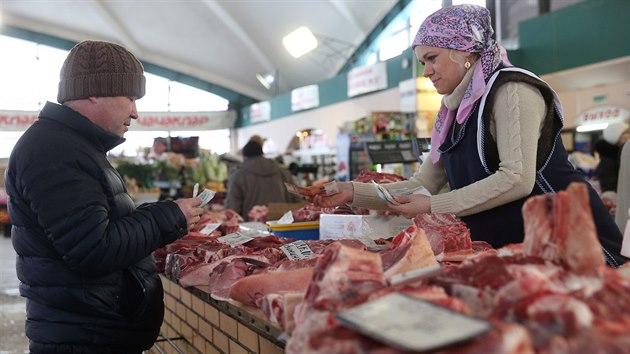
<point>603,114</point>
<point>367,79</point>
<point>150,121</point>
<point>17,120</point>
<point>260,112</point>
<point>304,98</point>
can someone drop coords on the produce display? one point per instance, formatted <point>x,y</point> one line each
<point>551,293</point>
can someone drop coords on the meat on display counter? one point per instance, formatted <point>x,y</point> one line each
<point>196,323</point>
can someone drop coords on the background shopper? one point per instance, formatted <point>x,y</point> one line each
<point>258,181</point>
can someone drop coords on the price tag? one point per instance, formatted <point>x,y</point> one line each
<point>235,239</point>
<point>297,250</point>
<point>412,324</point>
<point>209,228</point>
<point>286,219</point>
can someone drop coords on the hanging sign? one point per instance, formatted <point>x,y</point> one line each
<point>260,112</point>
<point>304,98</point>
<point>17,121</point>
<point>367,79</point>
<point>148,121</point>
<point>603,114</point>
<point>178,121</point>
<point>408,94</point>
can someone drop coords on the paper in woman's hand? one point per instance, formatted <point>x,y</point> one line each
<point>384,194</point>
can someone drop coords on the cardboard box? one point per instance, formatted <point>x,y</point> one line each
<point>276,210</point>
<point>336,227</point>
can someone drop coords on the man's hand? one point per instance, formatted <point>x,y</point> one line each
<point>191,210</point>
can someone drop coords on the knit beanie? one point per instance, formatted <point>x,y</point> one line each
<point>100,69</point>
<point>613,132</point>
<point>252,149</point>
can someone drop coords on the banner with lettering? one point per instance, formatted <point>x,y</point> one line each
<point>603,114</point>
<point>367,79</point>
<point>304,98</point>
<point>148,121</point>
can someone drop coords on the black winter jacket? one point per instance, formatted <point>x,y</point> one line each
<point>84,251</point>
<point>608,168</point>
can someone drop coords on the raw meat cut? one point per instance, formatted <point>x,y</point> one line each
<point>250,290</point>
<point>409,250</point>
<point>559,227</point>
<point>449,237</point>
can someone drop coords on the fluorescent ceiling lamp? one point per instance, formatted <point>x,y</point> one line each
<point>266,80</point>
<point>591,127</point>
<point>300,42</point>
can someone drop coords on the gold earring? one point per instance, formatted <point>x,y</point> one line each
<point>467,64</point>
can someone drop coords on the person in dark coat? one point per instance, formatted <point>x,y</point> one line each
<point>258,181</point>
<point>609,148</point>
<point>83,249</point>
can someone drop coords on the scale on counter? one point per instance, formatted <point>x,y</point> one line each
<point>404,151</point>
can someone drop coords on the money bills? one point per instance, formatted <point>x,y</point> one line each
<point>384,194</point>
<point>195,190</point>
<point>206,196</point>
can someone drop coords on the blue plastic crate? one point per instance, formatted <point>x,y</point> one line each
<point>305,234</point>
<point>308,230</point>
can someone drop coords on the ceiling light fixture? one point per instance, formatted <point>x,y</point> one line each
<point>266,80</point>
<point>300,42</point>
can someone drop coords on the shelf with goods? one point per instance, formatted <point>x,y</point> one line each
<point>314,160</point>
<point>353,154</point>
<point>172,175</point>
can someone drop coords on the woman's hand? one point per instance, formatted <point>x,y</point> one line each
<point>411,205</point>
<point>345,195</point>
<point>191,210</point>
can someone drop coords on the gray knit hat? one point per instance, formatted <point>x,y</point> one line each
<point>100,69</point>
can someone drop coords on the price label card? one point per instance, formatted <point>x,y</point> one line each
<point>411,324</point>
<point>297,250</point>
<point>235,239</point>
<point>286,219</point>
<point>209,228</point>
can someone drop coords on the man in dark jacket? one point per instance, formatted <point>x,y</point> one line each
<point>84,251</point>
<point>259,181</point>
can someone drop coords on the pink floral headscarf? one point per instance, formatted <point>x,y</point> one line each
<point>465,28</point>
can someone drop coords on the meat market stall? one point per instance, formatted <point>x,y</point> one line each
<point>234,288</point>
